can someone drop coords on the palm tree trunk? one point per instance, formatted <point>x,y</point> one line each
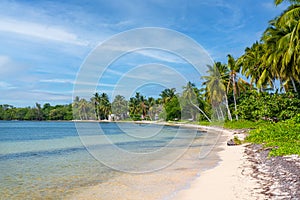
<point>234,97</point>
<point>227,107</point>
<point>222,114</point>
<point>293,82</point>
<point>201,111</point>
<point>235,107</point>
<point>218,115</point>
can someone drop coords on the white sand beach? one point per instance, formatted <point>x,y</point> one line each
<point>229,180</point>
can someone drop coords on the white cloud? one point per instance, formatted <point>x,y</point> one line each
<point>57,81</point>
<point>41,31</point>
<point>3,60</point>
<point>9,67</point>
<point>162,55</point>
<point>6,86</point>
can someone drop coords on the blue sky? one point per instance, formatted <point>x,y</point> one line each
<point>44,43</point>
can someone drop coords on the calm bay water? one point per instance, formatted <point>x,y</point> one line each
<point>46,160</point>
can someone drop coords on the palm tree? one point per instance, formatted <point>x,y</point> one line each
<point>167,95</point>
<point>39,111</point>
<point>138,106</point>
<point>96,100</point>
<point>215,82</point>
<point>119,106</point>
<point>152,107</point>
<point>191,94</point>
<point>283,45</point>
<point>234,68</point>
<point>235,82</point>
<point>102,106</point>
<point>75,108</point>
<point>252,64</point>
<point>83,104</point>
<point>144,106</point>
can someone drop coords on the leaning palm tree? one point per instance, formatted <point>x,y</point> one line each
<point>215,83</point>
<point>190,94</point>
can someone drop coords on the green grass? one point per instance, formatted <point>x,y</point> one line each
<point>240,124</point>
<point>244,124</point>
<point>282,137</point>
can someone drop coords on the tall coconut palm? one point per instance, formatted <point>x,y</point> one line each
<point>216,90</point>
<point>138,106</point>
<point>96,100</point>
<point>105,106</point>
<point>251,63</point>
<point>283,45</point>
<point>234,68</point>
<point>102,106</point>
<point>134,107</point>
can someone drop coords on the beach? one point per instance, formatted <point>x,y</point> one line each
<point>228,180</point>
<point>225,178</point>
<point>246,172</point>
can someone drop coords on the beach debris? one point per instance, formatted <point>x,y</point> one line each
<point>231,142</point>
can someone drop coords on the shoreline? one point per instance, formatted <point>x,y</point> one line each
<point>225,176</point>
<point>228,180</point>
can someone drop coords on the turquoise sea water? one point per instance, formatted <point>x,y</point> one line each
<point>46,160</point>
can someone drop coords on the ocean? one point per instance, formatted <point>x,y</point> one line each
<point>63,160</point>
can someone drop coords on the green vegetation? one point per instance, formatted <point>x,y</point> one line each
<point>237,141</point>
<point>47,112</point>
<point>275,107</point>
<point>245,124</point>
<point>283,137</point>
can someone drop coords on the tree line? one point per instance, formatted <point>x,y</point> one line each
<point>37,112</point>
<point>169,106</point>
